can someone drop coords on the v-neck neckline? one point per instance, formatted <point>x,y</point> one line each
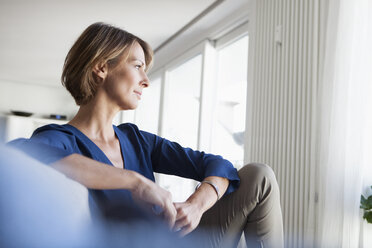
<point>85,137</point>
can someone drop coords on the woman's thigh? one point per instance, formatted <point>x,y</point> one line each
<point>253,208</point>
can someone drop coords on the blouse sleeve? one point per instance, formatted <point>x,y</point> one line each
<point>46,145</point>
<point>171,158</point>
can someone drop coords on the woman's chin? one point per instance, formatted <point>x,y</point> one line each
<point>131,107</point>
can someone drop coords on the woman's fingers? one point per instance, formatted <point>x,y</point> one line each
<point>160,199</point>
<point>170,211</point>
<point>170,214</point>
<point>188,218</point>
<point>180,223</point>
<point>186,230</point>
<point>183,226</point>
<point>180,210</point>
<point>182,218</point>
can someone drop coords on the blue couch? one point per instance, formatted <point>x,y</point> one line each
<point>40,207</point>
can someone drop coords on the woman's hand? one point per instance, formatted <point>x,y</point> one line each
<point>190,212</point>
<point>188,217</point>
<point>151,194</point>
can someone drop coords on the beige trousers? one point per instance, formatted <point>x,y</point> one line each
<point>254,208</point>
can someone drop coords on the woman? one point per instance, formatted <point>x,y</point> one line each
<point>105,72</point>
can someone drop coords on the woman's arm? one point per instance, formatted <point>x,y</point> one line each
<point>97,175</point>
<point>190,212</point>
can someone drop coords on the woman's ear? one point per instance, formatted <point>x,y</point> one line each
<point>100,70</point>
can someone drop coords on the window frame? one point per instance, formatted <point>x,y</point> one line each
<point>230,37</point>
<point>208,50</point>
<point>220,43</point>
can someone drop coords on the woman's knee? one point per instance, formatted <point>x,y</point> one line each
<point>258,176</point>
<point>257,170</point>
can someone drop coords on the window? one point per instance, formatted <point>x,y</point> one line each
<point>146,116</point>
<point>181,118</point>
<point>213,80</point>
<point>229,125</point>
<point>181,109</point>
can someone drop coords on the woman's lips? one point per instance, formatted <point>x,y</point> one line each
<point>138,93</point>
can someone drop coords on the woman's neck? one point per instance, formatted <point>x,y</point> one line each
<point>95,121</point>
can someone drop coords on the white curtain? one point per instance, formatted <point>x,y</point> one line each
<point>344,124</point>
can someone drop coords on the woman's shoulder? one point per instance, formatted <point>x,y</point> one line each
<point>132,131</point>
<point>56,135</point>
<point>48,143</point>
<point>130,128</point>
<point>53,129</point>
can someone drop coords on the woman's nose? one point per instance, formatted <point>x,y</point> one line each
<point>145,82</point>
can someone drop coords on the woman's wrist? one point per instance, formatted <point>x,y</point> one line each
<point>136,181</point>
<point>204,198</point>
<point>213,185</point>
<point>208,192</point>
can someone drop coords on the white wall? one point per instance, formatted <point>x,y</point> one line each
<point>42,100</point>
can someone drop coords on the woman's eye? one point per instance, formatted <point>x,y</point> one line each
<point>138,66</point>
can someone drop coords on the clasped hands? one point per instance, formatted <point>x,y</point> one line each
<point>187,217</point>
<point>181,217</point>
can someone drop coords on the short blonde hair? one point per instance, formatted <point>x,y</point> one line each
<point>99,43</point>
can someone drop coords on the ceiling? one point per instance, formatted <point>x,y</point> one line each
<point>36,35</point>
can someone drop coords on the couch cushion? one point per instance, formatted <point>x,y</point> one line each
<point>39,203</point>
<point>40,207</point>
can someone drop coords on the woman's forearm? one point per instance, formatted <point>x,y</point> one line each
<point>205,196</point>
<point>190,212</point>
<point>96,175</point>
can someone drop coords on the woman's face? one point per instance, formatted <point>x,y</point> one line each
<point>125,82</point>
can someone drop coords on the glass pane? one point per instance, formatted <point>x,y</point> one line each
<point>229,127</point>
<point>181,112</point>
<point>147,113</point>
<point>181,117</point>
<point>125,116</point>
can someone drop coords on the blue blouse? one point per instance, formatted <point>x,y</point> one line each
<point>142,152</point>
